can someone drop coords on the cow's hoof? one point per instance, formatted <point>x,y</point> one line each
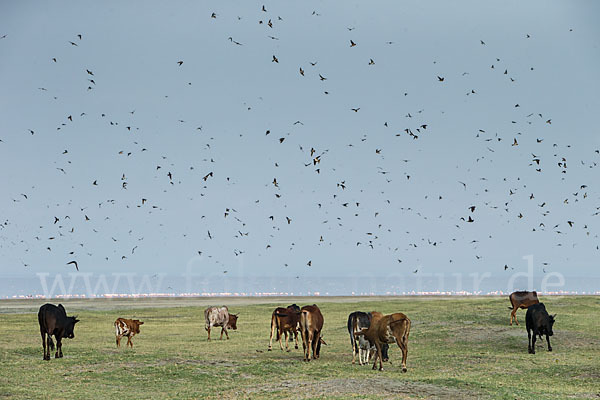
<point>269,349</point>
<point>550,349</point>
<point>404,369</point>
<point>287,350</point>
<point>296,347</point>
<point>381,369</point>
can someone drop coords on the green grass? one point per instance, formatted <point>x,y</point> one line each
<point>458,348</point>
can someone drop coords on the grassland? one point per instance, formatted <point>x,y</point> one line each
<point>458,348</point>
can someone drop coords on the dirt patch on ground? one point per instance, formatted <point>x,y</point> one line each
<point>384,388</point>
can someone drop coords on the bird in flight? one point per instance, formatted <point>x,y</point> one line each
<point>74,263</point>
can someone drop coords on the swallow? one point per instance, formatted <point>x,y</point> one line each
<point>275,60</point>
<point>371,62</point>
<point>74,263</point>
<point>440,78</point>
<point>322,77</point>
<point>352,44</point>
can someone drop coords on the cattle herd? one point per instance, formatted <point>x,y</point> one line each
<point>370,333</point>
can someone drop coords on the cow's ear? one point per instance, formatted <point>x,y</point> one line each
<point>75,320</point>
<point>140,322</point>
<point>553,316</point>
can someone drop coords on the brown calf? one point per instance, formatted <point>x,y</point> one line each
<point>126,327</point>
<point>388,329</point>
<point>311,324</point>
<point>285,321</point>
<point>521,300</point>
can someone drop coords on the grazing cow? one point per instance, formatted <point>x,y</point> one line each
<point>311,324</point>
<point>219,316</point>
<point>356,322</point>
<point>521,300</point>
<point>54,321</point>
<point>286,322</point>
<point>540,323</point>
<point>127,327</point>
<point>388,329</point>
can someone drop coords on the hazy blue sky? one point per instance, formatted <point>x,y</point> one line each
<point>377,196</point>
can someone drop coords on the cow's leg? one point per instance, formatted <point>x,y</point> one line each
<point>361,357</point>
<point>512,315</point>
<point>58,344</point>
<point>129,342</point>
<point>223,329</point>
<point>377,355</point>
<point>528,341</point>
<point>49,346</point>
<point>296,338</point>
<point>208,330</point>
<point>304,341</point>
<point>309,345</point>
<point>287,337</point>
<point>44,344</point>
<point>353,343</point>
<point>533,343</point>
<point>548,340</point>
<point>280,337</point>
<point>316,345</point>
<point>272,333</point>
<point>403,344</point>
<point>118,340</point>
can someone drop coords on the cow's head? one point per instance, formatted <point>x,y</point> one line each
<point>137,324</point>
<point>232,321</point>
<point>384,352</point>
<point>69,327</point>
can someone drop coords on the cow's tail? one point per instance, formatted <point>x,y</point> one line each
<point>406,331</point>
<point>352,335</point>
<point>51,342</point>
<point>304,322</point>
<point>351,330</point>
<point>275,321</point>
<point>512,304</point>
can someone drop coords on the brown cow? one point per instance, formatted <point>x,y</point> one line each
<point>126,327</point>
<point>521,300</point>
<point>388,329</point>
<point>311,324</point>
<point>220,316</point>
<point>286,321</point>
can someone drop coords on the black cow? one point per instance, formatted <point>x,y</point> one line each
<point>54,321</point>
<point>538,321</point>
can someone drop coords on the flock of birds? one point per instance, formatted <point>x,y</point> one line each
<point>306,195</point>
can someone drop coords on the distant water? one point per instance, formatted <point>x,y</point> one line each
<point>91,285</point>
